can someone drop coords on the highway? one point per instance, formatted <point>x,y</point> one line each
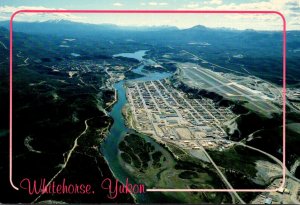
<point>224,179</point>
<point>222,176</point>
<point>157,94</point>
<point>4,46</point>
<point>287,172</point>
<point>64,165</point>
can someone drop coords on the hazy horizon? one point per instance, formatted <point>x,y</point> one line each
<point>290,9</point>
<point>132,26</point>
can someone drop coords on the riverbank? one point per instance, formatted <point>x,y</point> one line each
<point>110,104</point>
<point>156,167</point>
<point>90,165</point>
<point>109,147</point>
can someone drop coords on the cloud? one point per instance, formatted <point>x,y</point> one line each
<point>217,2</point>
<point>117,4</point>
<point>293,3</point>
<point>295,21</point>
<point>192,5</point>
<point>290,9</point>
<point>7,11</point>
<point>11,9</point>
<point>163,4</point>
<point>152,3</point>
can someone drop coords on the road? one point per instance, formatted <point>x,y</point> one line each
<point>4,46</point>
<point>188,104</point>
<point>147,111</point>
<point>224,179</point>
<point>63,166</point>
<point>287,172</point>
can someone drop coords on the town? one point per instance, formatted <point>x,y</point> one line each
<point>170,115</point>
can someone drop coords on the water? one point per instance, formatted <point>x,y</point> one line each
<point>148,76</point>
<point>75,54</point>
<point>136,55</point>
<point>109,147</point>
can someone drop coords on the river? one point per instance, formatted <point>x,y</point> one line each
<point>109,147</point>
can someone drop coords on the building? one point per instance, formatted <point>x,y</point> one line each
<point>268,200</point>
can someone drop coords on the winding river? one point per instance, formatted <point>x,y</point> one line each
<point>109,147</point>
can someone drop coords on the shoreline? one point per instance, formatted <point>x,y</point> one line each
<point>111,104</point>
<point>135,200</point>
<point>113,174</point>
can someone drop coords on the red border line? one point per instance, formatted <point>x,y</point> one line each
<point>161,12</point>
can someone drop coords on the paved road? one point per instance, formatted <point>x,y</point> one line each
<point>63,166</point>
<point>287,172</point>
<point>4,46</point>
<point>224,179</point>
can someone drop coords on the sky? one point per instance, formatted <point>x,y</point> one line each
<point>289,8</point>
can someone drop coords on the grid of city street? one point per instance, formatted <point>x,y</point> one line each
<point>171,115</point>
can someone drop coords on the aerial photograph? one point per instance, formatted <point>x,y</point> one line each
<point>141,101</point>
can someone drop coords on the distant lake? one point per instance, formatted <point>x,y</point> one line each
<point>138,55</point>
<point>69,39</point>
<point>75,54</point>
